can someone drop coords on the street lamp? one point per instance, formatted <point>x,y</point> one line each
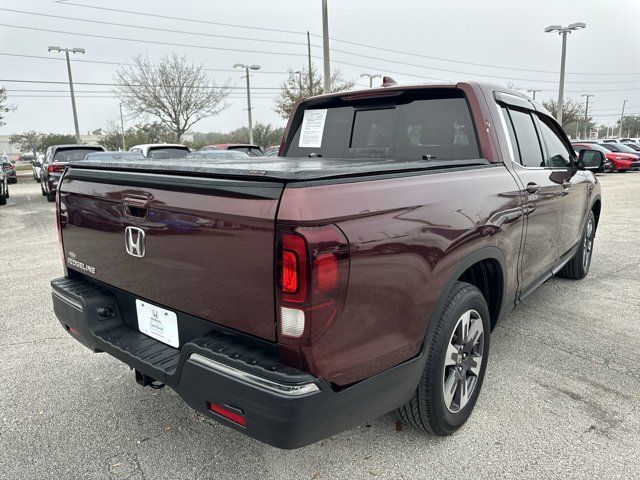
<point>246,68</point>
<point>586,113</point>
<point>621,118</point>
<point>370,76</point>
<point>73,97</point>
<point>563,31</point>
<point>533,92</point>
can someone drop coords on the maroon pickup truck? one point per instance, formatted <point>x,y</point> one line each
<point>358,273</point>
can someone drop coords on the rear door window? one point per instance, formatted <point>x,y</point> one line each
<point>73,154</point>
<point>527,138</point>
<point>436,124</point>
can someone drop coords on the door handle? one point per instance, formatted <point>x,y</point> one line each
<point>567,185</point>
<point>532,187</point>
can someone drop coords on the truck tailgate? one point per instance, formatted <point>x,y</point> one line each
<point>208,243</point>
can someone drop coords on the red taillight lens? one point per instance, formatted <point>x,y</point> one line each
<point>313,273</point>
<point>235,417</point>
<point>55,168</point>
<point>50,169</point>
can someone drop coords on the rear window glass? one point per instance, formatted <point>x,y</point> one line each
<point>403,128</point>
<point>73,155</point>
<point>167,152</point>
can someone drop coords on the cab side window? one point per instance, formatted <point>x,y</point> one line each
<point>527,138</point>
<point>558,154</point>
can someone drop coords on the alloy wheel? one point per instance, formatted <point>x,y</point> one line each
<point>587,244</point>
<point>463,361</point>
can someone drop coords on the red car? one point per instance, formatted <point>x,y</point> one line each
<point>251,150</point>
<point>619,161</point>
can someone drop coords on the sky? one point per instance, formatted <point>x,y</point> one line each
<point>413,41</point>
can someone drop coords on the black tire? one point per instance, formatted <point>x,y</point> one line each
<point>3,199</point>
<point>42,189</point>
<point>427,409</point>
<point>51,196</point>
<point>578,267</point>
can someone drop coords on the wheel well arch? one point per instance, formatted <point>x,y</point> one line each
<point>487,276</point>
<point>595,208</point>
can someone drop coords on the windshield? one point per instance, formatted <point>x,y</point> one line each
<point>437,124</point>
<point>114,156</point>
<point>167,152</point>
<point>73,154</point>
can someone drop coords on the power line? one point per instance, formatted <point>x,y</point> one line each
<point>55,82</point>
<point>155,42</point>
<point>157,29</point>
<point>167,17</point>
<point>147,14</point>
<point>41,57</point>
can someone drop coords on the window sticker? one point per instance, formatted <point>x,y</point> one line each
<point>312,128</point>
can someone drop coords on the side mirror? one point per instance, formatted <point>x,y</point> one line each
<point>592,160</point>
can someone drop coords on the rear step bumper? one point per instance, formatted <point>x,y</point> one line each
<point>279,405</point>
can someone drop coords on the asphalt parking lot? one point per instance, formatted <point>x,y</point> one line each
<point>561,398</point>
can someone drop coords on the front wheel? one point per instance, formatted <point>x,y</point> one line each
<point>578,267</point>
<point>456,362</point>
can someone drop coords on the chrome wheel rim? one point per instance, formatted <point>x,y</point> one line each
<point>587,244</point>
<point>463,361</point>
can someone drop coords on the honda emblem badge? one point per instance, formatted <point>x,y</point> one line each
<point>134,241</point>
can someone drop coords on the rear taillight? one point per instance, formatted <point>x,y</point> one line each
<point>313,269</point>
<point>54,168</point>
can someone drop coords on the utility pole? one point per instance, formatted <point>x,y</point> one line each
<point>309,59</point>
<point>622,118</point>
<point>299,72</point>
<point>563,31</point>
<point>371,76</point>
<point>325,48</point>
<point>124,145</point>
<point>533,92</point>
<point>73,97</point>
<point>586,114</point>
<point>246,68</point>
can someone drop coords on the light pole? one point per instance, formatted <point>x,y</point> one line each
<point>246,68</point>
<point>124,144</point>
<point>73,97</point>
<point>370,76</point>
<point>299,72</point>
<point>586,113</point>
<point>622,118</point>
<point>563,31</point>
<point>325,48</point>
<point>533,92</point>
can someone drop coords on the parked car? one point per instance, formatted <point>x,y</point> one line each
<point>633,146</point>
<point>614,161</point>
<point>272,151</point>
<point>252,150</point>
<point>109,156</point>
<point>37,166</point>
<point>630,140</point>
<point>220,155</point>
<point>4,188</point>
<point>360,273</point>
<point>9,170</point>
<point>161,150</point>
<point>56,159</point>
<point>620,149</point>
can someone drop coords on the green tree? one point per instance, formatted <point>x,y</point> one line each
<point>630,126</point>
<point>175,92</point>
<point>5,107</point>
<point>266,135</point>
<point>50,139</point>
<point>27,142</point>
<point>298,86</point>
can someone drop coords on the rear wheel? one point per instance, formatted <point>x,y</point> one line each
<point>51,196</point>
<point>578,267</point>
<point>455,366</point>
<point>42,189</point>
<point>3,196</point>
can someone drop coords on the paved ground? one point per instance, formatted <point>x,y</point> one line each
<point>561,398</point>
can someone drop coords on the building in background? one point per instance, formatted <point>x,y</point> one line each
<point>14,152</point>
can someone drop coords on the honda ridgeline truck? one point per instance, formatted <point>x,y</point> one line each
<point>359,272</point>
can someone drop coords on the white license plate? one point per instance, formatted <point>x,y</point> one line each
<point>158,323</point>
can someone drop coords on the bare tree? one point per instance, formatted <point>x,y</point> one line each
<point>298,86</point>
<point>176,92</point>
<point>4,106</point>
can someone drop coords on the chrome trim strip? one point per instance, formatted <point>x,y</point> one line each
<point>254,380</point>
<point>67,300</point>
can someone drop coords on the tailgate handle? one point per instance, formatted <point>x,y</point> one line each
<point>136,206</point>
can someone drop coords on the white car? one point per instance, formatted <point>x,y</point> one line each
<point>37,167</point>
<point>161,150</point>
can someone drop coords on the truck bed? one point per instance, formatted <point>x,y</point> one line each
<point>288,169</point>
